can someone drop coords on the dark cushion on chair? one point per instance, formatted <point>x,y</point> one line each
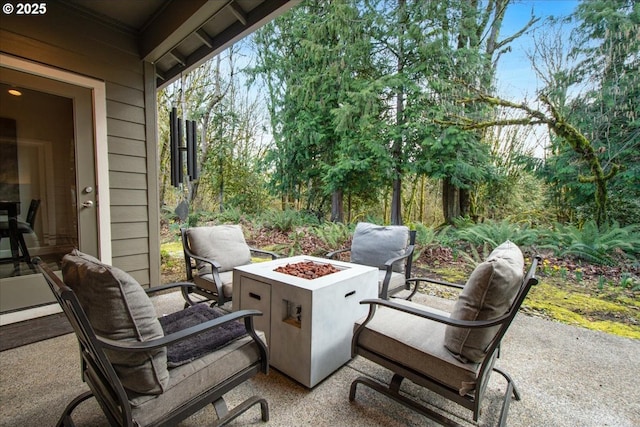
<point>488,294</point>
<point>224,244</point>
<point>197,346</point>
<point>373,245</point>
<point>118,308</point>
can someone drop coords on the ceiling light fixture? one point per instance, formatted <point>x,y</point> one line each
<point>14,91</point>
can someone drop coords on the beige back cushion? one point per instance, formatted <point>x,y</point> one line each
<point>224,244</point>
<point>118,308</point>
<point>488,294</point>
<point>373,245</point>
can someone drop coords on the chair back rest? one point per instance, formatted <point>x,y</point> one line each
<point>31,213</point>
<point>224,244</point>
<point>410,247</point>
<point>186,250</point>
<point>528,281</point>
<point>373,244</point>
<point>97,370</point>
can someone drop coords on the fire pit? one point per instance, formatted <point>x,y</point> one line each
<point>307,269</point>
<point>308,324</point>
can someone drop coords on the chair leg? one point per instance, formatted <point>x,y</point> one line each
<point>225,416</point>
<point>511,389</point>
<point>393,391</point>
<point>187,298</point>
<point>65,419</point>
<point>516,393</point>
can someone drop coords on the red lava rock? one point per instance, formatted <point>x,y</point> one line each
<point>307,269</point>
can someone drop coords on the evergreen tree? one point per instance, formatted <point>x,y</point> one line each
<point>599,94</point>
<point>316,64</point>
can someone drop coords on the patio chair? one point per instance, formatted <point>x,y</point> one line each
<point>15,229</point>
<point>210,255</point>
<point>451,354</point>
<point>390,248</point>
<point>140,375</point>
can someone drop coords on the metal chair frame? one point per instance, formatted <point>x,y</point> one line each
<point>407,257</point>
<point>471,401</point>
<point>190,261</point>
<point>106,387</point>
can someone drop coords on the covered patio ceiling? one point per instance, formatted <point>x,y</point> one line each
<point>179,35</point>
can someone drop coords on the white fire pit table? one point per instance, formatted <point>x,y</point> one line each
<point>308,323</point>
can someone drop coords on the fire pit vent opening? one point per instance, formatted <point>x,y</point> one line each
<point>307,269</point>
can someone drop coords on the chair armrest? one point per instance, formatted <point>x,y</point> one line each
<point>389,263</point>
<point>189,254</point>
<point>185,287</point>
<point>388,267</point>
<point>330,255</point>
<point>417,280</point>
<point>156,289</point>
<point>215,265</point>
<point>138,346</point>
<point>435,281</point>
<point>273,255</point>
<point>471,324</point>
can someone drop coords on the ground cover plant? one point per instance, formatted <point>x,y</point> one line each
<point>596,292</point>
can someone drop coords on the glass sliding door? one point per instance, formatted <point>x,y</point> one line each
<point>47,181</point>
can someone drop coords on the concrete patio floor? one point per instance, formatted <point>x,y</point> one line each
<point>567,376</point>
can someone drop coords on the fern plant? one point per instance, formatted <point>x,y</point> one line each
<point>284,221</point>
<point>594,244</point>
<point>494,233</point>
<point>425,236</point>
<point>333,235</point>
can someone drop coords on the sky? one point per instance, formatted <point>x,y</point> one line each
<point>516,79</point>
<point>515,76</point>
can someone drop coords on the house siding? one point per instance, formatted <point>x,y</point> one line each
<point>66,39</point>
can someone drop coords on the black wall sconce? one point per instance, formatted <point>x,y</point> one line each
<point>179,151</point>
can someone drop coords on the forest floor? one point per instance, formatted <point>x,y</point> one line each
<point>595,297</point>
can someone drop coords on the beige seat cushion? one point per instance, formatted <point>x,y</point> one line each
<point>118,308</point>
<point>197,377</point>
<point>373,245</point>
<point>488,294</point>
<point>417,344</point>
<point>224,244</point>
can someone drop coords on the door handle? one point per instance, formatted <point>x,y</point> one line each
<point>88,204</point>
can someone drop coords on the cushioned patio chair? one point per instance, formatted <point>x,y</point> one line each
<point>210,255</point>
<point>390,248</point>
<point>20,228</point>
<point>451,354</point>
<point>140,375</point>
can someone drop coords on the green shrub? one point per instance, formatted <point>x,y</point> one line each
<point>334,235</point>
<point>229,215</point>
<point>425,236</point>
<point>493,233</point>
<point>590,243</point>
<point>287,220</point>
<point>446,236</point>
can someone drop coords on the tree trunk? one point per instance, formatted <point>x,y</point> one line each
<point>220,183</point>
<point>465,202</point>
<point>396,202</point>
<point>337,209</point>
<point>396,197</point>
<point>450,201</point>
